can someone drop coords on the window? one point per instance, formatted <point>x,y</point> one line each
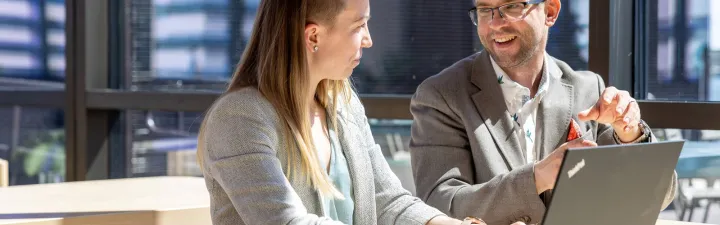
<point>192,45</point>
<point>697,170</point>
<point>32,43</point>
<point>186,44</point>
<point>164,143</point>
<point>32,57</point>
<point>32,140</point>
<point>682,43</point>
<point>678,43</point>
<point>572,26</point>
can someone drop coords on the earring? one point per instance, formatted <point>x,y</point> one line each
<point>315,48</point>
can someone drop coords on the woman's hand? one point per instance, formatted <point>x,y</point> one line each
<point>444,220</point>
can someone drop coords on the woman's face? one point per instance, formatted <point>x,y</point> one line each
<point>339,47</point>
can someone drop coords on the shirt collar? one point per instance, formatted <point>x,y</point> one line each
<point>547,75</point>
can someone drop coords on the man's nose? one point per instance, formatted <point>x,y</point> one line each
<point>496,19</point>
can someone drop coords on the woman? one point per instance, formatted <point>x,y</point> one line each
<point>289,143</point>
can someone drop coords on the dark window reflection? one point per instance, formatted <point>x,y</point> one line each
<point>32,41</point>
<point>193,44</point>
<point>32,55</point>
<point>682,43</point>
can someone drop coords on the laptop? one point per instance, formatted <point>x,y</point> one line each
<point>616,184</point>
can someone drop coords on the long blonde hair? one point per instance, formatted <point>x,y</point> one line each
<point>275,62</point>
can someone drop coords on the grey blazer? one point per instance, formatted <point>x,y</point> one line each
<point>466,159</point>
<point>244,172</point>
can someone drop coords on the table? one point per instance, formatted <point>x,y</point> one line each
<point>4,173</point>
<point>134,201</point>
<point>699,160</point>
<point>140,201</point>
<point>669,222</point>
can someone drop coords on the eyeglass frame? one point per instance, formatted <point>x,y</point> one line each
<point>475,20</point>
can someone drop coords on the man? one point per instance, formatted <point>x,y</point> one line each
<point>490,131</point>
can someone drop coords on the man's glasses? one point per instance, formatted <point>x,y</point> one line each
<point>510,12</point>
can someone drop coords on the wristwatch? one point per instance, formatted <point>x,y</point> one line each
<point>472,220</point>
<point>644,129</point>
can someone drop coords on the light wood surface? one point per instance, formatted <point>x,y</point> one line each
<point>151,201</point>
<point>135,201</point>
<point>4,173</point>
<point>668,222</point>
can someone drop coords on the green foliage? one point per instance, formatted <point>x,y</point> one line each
<point>45,152</point>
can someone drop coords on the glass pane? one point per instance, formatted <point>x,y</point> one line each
<point>164,143</point>
<point>186,44</point>
<point>32,43</point>
<point>393,136</point>
<point>682,44</point>
<point>194,44</point>
<point>572,26</point>
<point>698,170</point>
<point>32,140</point>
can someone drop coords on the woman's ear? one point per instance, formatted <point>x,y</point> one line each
<point>311,36</point>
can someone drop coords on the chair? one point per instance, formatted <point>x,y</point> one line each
<point>4,173</point>
<point>690,196</point>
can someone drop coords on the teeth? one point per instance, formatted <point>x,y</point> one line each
<point>503,40</point>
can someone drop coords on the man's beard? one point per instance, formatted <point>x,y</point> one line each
<point>528,47</point>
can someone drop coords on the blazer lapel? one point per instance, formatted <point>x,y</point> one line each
<point>354,148</point>
<point>490,102</point>
<point>555,111</point>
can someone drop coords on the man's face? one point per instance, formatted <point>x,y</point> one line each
<point>512,42</point>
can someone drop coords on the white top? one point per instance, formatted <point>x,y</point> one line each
<point>523,107</point>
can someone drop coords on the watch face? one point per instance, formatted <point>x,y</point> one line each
<point>645,132</point>
<point>644,127</point>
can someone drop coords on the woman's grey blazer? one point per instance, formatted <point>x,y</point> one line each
<point>245,157</point>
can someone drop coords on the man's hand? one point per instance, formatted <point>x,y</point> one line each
<point>546,171</point>
<point>619,109</point>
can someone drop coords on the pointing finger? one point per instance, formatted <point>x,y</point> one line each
<point>609,94</point>
<point>624,100</point>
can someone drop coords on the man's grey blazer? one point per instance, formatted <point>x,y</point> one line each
<point>466,158</point>
<point>244,167</point>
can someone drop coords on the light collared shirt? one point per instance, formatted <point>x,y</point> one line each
<point>523,107</point>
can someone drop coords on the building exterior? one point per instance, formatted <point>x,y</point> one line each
<point>32,39</point>
<point>189,42</point>
<point>32,55</point>
<point>678,50</point>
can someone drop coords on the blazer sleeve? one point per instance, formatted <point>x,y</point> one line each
<point>394,204</point>
<point>606,136</point>
<point>239,139</point>
<point>445,174</point>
